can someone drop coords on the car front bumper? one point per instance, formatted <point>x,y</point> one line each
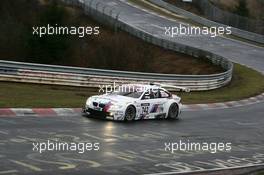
<point>113,115</point>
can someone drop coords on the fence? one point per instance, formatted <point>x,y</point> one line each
<point>235,31</point>
<point>214,13</point>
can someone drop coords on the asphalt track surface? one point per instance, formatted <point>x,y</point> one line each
<point>139,147</point>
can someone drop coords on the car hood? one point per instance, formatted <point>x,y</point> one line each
<point>117,99</point>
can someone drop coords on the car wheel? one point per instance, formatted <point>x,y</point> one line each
<point>130,113</point>
<point>84,113</point>
<point>173,111</point>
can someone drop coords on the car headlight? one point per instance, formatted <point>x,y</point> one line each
<point>115,107</point>
<point>89,102</point>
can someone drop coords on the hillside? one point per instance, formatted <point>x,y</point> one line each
<point>108,50</point>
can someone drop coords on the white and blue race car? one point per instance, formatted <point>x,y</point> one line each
<point>135,102</point>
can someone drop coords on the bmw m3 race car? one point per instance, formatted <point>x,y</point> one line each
<point>135,102</point>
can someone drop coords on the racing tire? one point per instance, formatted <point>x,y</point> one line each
<point>84,114</point>
<point>130,113</point>
<point>173,111</point>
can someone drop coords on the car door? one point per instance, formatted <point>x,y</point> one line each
<point>152,106</point>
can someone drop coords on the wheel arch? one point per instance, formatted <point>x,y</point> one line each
<point>169,105</point>
<point>132,105</point>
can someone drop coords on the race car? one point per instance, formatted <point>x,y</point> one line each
<point>134,102</point>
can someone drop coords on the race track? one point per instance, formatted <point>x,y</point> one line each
<point>139,147</point>
<point>133,148</point>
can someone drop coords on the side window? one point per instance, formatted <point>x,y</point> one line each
<point>164,94</point>
<point>155,93</point>
<point>146,96</point>
<point>151,94</point>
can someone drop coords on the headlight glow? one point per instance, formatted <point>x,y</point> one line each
<point>115,107</point>
<point>89,102</point>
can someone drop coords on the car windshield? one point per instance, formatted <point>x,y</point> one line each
<point>133,92</point>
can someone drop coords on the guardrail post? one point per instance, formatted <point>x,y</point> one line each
<point>116,21</point>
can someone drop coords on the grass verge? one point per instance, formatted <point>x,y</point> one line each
<point>246,82</point>
<point>260,173</point>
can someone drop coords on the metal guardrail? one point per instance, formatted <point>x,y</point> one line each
<point>86,77</point>
<point>201,20</point>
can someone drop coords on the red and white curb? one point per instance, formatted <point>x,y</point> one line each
<point>41,112</point>
<point>225,105</point>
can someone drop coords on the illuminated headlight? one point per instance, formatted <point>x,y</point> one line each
<point>115,107</point>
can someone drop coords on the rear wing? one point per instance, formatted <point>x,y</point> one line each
<point>185,89</point>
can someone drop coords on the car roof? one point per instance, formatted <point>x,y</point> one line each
<point>144,86</point>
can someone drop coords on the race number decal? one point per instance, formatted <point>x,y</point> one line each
<point>145,108</point>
